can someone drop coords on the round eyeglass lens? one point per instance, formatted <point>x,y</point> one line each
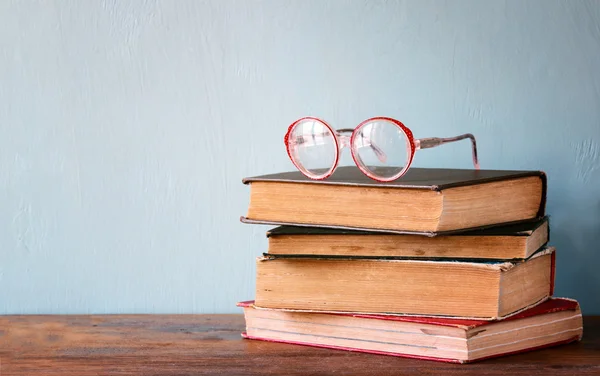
<point>313,147</point>
<point>381,148</point>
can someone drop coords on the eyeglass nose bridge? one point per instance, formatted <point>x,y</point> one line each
<point>344,136</point>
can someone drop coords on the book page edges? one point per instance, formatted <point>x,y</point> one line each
<point>445,360</point>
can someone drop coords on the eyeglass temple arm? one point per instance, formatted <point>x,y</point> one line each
<point>431,142</point>
<point>376,149</point>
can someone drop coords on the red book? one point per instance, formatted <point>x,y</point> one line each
<point>553,322</point>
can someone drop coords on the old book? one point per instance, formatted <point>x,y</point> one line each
<point>517,241</point>
<point>424,201</point>
<point>556,321</point>
<point>484,290</point>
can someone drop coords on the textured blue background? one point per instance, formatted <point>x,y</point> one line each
<point>126,128</point>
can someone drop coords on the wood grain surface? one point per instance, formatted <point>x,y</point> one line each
<point>211,344</point>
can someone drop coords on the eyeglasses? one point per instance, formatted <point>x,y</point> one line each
<point>382,148</point>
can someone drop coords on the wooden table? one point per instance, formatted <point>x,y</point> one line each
<point>211,344</point>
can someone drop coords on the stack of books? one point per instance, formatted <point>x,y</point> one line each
<point>443,264</point>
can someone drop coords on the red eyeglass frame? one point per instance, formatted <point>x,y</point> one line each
<point>413,145</point>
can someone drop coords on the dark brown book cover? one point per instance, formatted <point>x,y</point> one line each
<point>435,179</point>
<point>515,229</point>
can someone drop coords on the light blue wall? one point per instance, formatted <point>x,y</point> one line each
<point>127,126</point>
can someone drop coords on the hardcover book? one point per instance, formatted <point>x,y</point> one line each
<point>483,290</point>
<point>556,321</point>
<point>424,201</point>
<point>511,242</point>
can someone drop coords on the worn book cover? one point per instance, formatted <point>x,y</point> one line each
<point>426,201</point>
<point>482,290</point>
<point>510,242</point>
<point>553,322</point>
